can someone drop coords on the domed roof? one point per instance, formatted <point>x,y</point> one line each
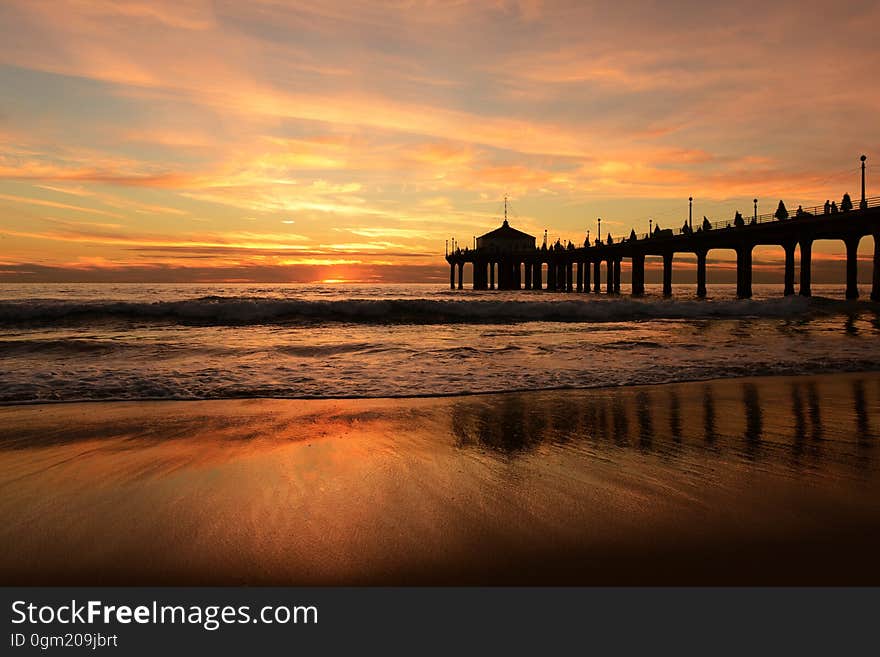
<point>506,232</point>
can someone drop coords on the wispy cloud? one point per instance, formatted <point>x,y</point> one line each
<point>56,204</point>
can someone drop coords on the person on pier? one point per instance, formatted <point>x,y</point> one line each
<point>834,209</point>
<point>632,235</point>
<point>738,220</point>
<point>781,213</point>
<point>610,239</point>
<point>827,206</point>
<point>707,225</point>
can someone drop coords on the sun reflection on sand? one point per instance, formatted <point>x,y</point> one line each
<point>612,485</point>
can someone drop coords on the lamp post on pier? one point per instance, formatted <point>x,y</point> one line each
<point>691,212</point>
<point>599,229</point>
<point>863,204</point>
<point>650,227</point>
<point>755,201</point>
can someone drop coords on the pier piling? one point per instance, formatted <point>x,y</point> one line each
<point>789,268</point>
<point>701,273</point>
<point>806,246</point>
<point>852,267</point>
<point>744,271</point>
<point>667,274</point>
<point>638,274</point>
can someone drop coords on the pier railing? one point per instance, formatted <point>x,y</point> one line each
<point>806,213</point>
<point>722,224</point>
<point>727,224</point>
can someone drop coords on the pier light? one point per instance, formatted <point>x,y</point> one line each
<point>863,204</point>
<point>650,226</point>
<point>447,247</point>
<point>691,212</point>
<point>755,201</point>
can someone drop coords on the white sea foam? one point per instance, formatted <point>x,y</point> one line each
<point>238,311</point>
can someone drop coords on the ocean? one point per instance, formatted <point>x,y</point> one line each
<point>83,342</point>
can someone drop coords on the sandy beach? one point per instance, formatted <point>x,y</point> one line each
<point>740,481</point>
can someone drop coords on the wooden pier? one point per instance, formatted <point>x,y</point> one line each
<point>507,259</point>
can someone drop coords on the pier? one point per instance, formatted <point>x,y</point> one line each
<point>508,259</point>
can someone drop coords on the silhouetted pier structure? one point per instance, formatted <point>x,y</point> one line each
<point>508,259</point>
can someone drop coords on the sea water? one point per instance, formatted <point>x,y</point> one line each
<point>79,342</point>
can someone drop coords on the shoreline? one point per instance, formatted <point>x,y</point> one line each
<point>433,395</point>
<point>752,480</point>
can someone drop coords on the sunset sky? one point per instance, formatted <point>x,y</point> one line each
<point>297,141</point>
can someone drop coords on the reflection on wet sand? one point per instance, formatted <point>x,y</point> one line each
<point>863,426</point>
<point>754,419</point>
<point>709,415</point>
<point>690,483</point>
<point>646,423</point>
<point>674,416</point>
<point>779,423</point>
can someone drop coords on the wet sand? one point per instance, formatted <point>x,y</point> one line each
<point>745,481</point>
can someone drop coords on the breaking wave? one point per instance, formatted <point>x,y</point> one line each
<point>243,311</point>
